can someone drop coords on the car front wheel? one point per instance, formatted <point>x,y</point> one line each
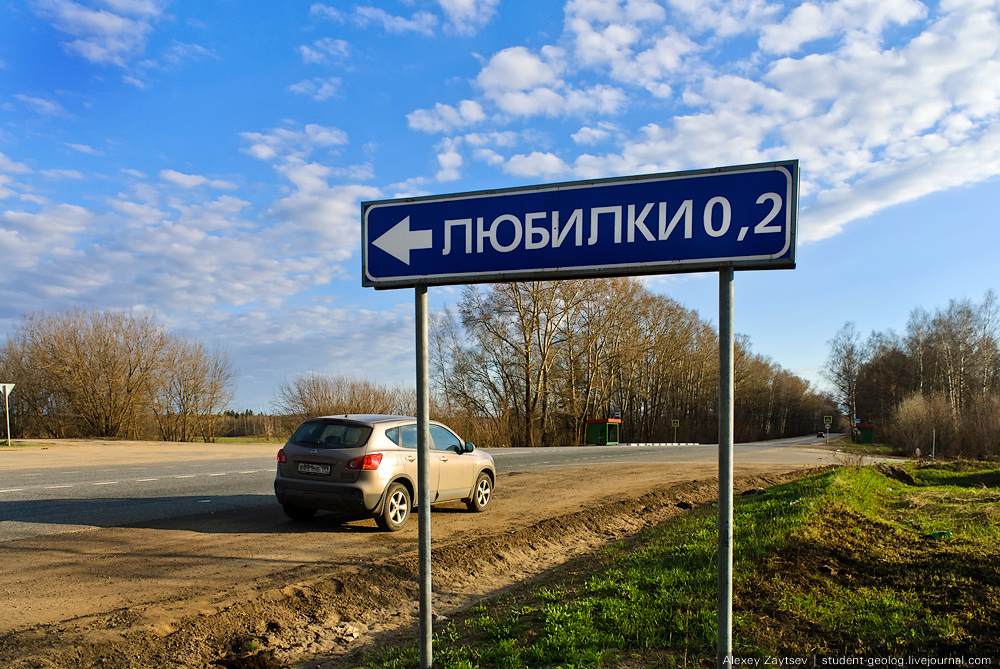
<point>396,509</point>
<point>482,493</point>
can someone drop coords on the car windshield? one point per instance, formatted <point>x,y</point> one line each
<point>325,433</point>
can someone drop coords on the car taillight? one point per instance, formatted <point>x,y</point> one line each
<point>281,456</point>
<point>366,462</point>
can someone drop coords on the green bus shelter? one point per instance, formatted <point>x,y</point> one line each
<point>603,431</point>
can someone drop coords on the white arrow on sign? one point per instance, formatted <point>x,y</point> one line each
<point>399,240</point>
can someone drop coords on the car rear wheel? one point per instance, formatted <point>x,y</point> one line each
<point>296,512</point>
<point>396,509</point>
<point>482,493</point>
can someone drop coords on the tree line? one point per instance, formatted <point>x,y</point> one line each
<point>113,374</point>
<point>527,364</point>
<point>516,364</point>
<point>936,385</point>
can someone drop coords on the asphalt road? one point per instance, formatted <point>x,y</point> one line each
<point>39,495</point>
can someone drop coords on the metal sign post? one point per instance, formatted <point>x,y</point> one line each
<point>722,219</point>
<point>727,399</point>
<point>423,475</point>
<point>7,388</point>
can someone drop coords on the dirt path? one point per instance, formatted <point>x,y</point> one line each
<point>194,591</point>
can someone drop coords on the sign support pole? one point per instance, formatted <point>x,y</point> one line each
<point>423,474</point>
<point>726,419</point>
<point>6,388</point>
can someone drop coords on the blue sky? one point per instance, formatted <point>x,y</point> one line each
<point>207,160</point>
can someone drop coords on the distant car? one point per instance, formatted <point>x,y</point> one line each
<point>365,465</point>
<point>821,434</point>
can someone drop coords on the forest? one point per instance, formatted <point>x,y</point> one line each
<point>935,386</point>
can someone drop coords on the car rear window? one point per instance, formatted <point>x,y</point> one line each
<point>331,434</point>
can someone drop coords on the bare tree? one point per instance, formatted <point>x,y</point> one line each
<point>843,366</point>
<point>191,390</point>
<point>321,395</point>
<point>93,367</point>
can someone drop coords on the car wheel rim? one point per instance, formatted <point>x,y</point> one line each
<point>483,493</point>
<point>397,508</point>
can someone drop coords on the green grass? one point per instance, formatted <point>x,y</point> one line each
<point>837,563</point>
<point>3,445</point>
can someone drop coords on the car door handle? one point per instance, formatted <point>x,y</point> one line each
<point>410,458</point>
<point>444,458</point>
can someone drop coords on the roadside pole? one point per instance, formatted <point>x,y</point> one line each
<point>7,387</point>
<point>726,416</point>
<point>423,475</point>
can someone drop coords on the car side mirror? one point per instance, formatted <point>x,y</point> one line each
<point>468,448</point>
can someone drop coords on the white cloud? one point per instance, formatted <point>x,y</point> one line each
<point>536,164</point>
<point>811,21</point>
<point>450,160</point>
<point>325,50</point>
<point>446,117</point>
<point>327,12</point>
<point>84,148</point>
<point>61,174</point>
<point>296,143</point>
<point>524,83</point>
<point>421,22</point>
<point>724,18</point>
<point>633,41</point>
<point>8,165</point>
<point>26,237</point>
<point>4,191</point>
<point>587,135</point>
<point>42,106</point>
<point>518,69</point>
<point>99,35</point>
<point>467,16</point>
<point>318,212</point>
<point>179,52</point>
<point>194,180</point>
<point>318,88</point>
<point>507,138</point>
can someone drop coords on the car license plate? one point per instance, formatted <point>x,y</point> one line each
<point>310,468</point>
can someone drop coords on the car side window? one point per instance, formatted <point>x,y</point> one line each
<point>408,436</point>
<point>444,440</point>
<point>392,434</point>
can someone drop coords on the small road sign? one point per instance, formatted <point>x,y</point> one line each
<point>675,423</point>
<point>743,216</point>
<point>827,419</point>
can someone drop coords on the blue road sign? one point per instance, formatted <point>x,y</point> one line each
<point>743,216</point>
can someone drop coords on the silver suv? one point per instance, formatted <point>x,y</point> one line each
<point>359,465</point>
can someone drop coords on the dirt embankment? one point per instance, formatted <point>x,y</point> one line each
<point>250,588</point>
